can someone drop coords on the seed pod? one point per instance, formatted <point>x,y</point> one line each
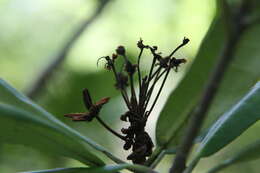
<point>185,40</point>
<point>130,68</point>
<point>139,160</point>
<point>124,131</point>
<point>123,117</point>
<point>128,144</point>
<point>140,44</point>
<point>120,50</point>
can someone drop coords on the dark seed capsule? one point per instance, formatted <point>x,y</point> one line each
<point>132,156</point>
<point>123,117</point>
<point>130,135</point>
<point>185,40</point>
<point>120,50</point>
<point>130,68</point>
<point>128,144</point>
<point>139,160</point>
<point>140,44</point>
<point>125,131</point>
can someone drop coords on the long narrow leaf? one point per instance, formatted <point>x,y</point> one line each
<point>104,169</point>
<point>248,153</point>
<point>22,127</point>
<point>242,73</point>
<point>9,95</point>
<point>183,99</point>
<point>232,124</point>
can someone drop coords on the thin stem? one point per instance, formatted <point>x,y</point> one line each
<point>160,90</point>
<point>150,73</point>
<point>92,144</point>
<point>212,87</point>
<point>177,48</point>
<point>138,70</point>
<point>109,129</point>
<point>151,69</point>
<point>123,92</point>
<point>140,169</point>
<point>154,156</point>
<point>149,94</point>
<point>160,149</point>
<point>125,97</point>
<point>156,72</point>
<point>162,73</point>
<point>192,165</point>
<point>133,95</point>
<point>142,94</point>
<point>158,159</point>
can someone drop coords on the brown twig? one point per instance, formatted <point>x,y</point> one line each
<point>211,89</point>
<point>46,75</point>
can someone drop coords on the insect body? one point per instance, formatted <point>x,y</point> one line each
<point>94,109</point>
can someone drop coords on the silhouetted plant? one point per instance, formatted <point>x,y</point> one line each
<point>135,136</point>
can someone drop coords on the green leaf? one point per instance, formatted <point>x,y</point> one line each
<point>241,74</point>
<point>62,170</point>
<point>24,122</point>
<point>232,124</point>
<point>21,127</point>
<point>183,99</point>
<point>104,169</point>
<point>248,153</point>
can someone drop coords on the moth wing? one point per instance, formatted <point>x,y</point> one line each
<point>87,99</point>
<point>102,101</point>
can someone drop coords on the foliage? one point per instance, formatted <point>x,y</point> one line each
<point>233,110</point>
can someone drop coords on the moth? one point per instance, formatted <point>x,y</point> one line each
<point>93,109</point>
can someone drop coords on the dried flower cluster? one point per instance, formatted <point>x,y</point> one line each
<point>135,136</point>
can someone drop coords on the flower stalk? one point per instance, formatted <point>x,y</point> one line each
<point>134,136</point>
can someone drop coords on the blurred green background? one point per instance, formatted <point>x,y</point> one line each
<point>32,33</point>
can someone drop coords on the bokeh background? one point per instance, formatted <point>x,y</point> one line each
<point>33,33</point>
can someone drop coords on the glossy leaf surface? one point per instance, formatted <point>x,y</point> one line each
<point>22,120</point>
<point>104,169</point>
<point>233,123</point>
<point>248,153</point>
<point>239,77</point>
